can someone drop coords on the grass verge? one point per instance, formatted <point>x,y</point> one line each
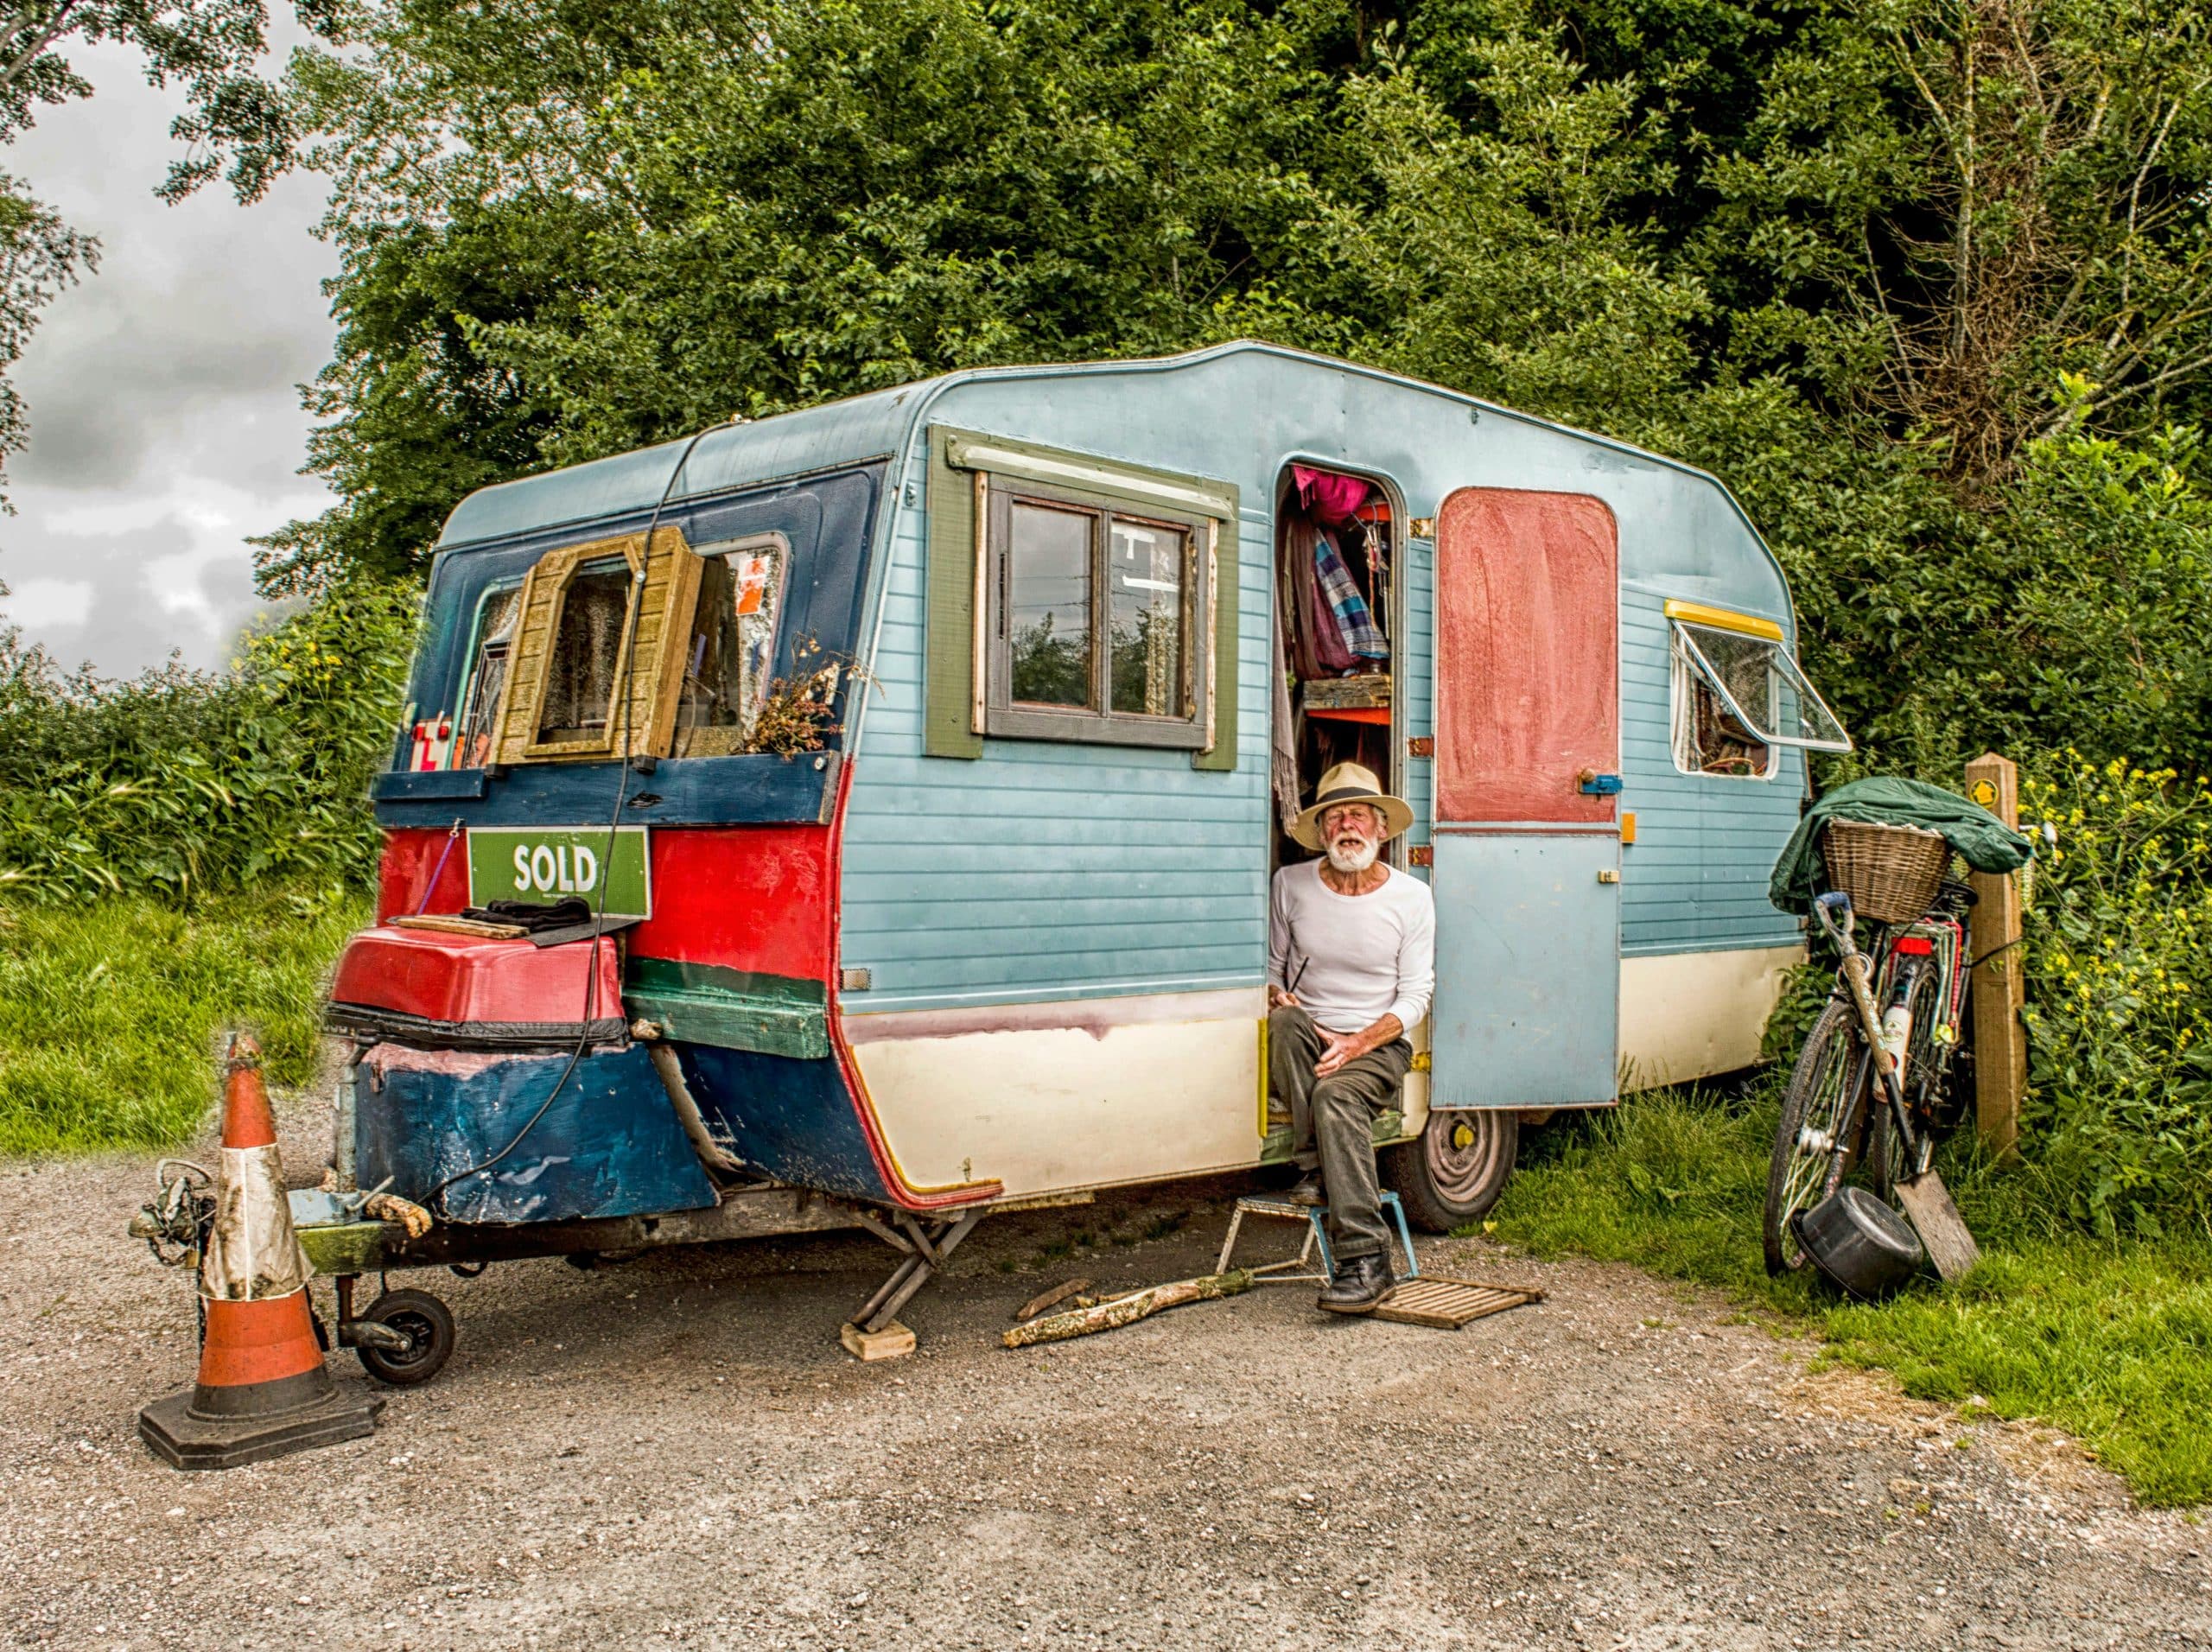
<point>2111,1342</point>
<point>110,1014</point>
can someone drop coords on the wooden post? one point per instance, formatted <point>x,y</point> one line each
<point>1999,986</point>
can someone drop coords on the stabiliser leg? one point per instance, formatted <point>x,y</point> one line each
<point>927,1250</point>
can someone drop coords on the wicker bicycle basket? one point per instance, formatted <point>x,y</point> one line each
<point>1891,873</point>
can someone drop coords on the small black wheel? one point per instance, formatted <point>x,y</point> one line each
<point>1456,1168</point>
<point>425,1322</point>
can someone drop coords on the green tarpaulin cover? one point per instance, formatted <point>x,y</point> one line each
<point>1987,843</point>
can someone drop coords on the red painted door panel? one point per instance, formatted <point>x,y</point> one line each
<point>1527,656</point>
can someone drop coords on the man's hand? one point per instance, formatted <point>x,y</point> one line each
<point>1341,1048</point>
<point>1279,998</point>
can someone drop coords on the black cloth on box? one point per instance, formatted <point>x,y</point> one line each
<point>565,914</point>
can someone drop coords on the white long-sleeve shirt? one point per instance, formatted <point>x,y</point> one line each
<point>1356,958</point>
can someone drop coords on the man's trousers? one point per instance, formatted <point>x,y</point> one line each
<point>1336,1115</point>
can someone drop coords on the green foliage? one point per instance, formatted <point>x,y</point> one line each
<point>178,784</point>
<point>2119,996</point>
<point>2113,1344</point>
<point>110,1013</point>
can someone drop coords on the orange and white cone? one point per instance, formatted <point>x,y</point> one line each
<point>263,1390</point>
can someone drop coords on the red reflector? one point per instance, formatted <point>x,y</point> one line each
<point>1916,946</point>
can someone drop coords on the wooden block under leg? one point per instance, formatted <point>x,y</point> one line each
<point>890,1342</point>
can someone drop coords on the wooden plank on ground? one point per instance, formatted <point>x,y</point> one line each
<point>1444,1304</point>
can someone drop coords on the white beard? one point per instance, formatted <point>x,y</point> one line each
<point>1357,861</point>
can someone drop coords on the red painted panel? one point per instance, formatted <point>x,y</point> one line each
<point>743,896</point>
<point>1527,655</point>
<point>411,857</point>
<point>755,898</point>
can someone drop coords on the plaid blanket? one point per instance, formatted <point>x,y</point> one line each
<point>1355,625</point>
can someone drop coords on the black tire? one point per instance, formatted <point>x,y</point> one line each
<point>426,1322</point>
<point>1455,1169</point>
<point>1823,1105</point>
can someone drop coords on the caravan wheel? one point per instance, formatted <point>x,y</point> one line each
<point>1456,1168</point>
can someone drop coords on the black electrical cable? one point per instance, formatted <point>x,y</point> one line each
<point>620,733</point>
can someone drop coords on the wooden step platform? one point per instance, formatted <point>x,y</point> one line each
<point>1447,1304</point>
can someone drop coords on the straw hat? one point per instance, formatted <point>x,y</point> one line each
<point>1349,783</point>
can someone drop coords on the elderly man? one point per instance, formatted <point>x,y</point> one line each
<point>1351,965</point>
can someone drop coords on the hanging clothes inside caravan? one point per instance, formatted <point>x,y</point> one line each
<point>1329,497</point>
<point>1356,636</point>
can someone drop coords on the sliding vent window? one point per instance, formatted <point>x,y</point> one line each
<point>586,656</point>
<point>732,658</point>
<point>496,618</point>
<point>1738,695</point>
<point>1096,619</point>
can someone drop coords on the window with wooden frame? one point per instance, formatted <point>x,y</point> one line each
<point>589,671</point>
<point>1739,696</point>
<point>731,657</point>
<point>491,648</point>
<point>1073,597</point>
<point>1095,624</point>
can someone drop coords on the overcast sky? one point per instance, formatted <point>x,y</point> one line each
<point>165,422</point>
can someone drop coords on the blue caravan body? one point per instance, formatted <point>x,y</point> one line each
<point>1002,934</point>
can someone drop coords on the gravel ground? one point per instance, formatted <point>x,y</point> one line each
<point>676,1452</point>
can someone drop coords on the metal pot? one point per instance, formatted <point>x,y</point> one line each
<point>1861,1244</point>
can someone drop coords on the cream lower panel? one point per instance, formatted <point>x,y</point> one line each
<point>1042,1108</point>
<point>1686,1014</point>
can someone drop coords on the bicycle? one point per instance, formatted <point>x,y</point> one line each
<point>1878,1081</point>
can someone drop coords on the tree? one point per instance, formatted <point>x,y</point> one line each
<point>235,124</point>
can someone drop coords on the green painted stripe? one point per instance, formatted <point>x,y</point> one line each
<point>734,1009</point>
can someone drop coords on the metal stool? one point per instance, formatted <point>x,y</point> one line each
<point>1316,1236</point>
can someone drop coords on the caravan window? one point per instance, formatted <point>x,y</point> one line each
<point>589,665</point>
<point>1738,695</point>
<point>585,654</point>
<point>732,656</point>
<point>496,615</point>
<point>1095,617</point>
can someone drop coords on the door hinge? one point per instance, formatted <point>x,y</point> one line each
<point>1420,854</point>
<point>856,981</point>
<point>1421,746</point>
<point>1607,875</point>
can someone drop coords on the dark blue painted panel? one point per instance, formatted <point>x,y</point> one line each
<point>610,1145</point>
<point>754,789</point>
<point>827,518</point>
<point>793,1119</point>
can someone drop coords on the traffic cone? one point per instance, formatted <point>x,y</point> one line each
<point>263,1390</point>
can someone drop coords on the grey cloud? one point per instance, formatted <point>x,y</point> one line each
<point>128,626</point>
<point>163,388</point>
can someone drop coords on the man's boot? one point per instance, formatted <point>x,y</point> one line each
<point>1360,1285</point>
<point>1308,1192</point>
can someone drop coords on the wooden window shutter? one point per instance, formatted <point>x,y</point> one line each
<point>950,663</point>
<point>669,605</point>
<point>657,633</point>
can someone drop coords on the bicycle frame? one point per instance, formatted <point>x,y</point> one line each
<point>1833,913</point>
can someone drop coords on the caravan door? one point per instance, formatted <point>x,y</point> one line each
<point>1527,848</point>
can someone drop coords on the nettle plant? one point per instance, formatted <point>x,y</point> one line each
<point>178,784</point>
<point>2119,992</point>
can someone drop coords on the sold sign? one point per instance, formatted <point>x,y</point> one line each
<point>543,866</point>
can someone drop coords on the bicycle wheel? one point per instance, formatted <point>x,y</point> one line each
<point>1822,1116</point>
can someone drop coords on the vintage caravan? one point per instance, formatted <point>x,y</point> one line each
<point>992,928</point>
